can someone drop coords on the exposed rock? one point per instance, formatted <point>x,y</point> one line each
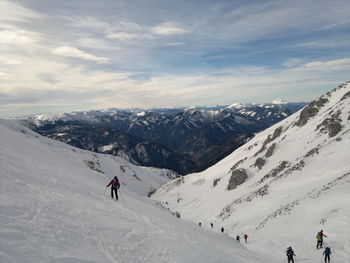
<point>284,210</point>
<point>312,152</point>
<point>310,111</point>
<point>270,150</point>
<point>238,177</point>
<point>216,181</point>
<point>259,162</point>
<point>277,132</point>
<point>234,167</point>
<point>94,165</point>
<point>332,124</point>
<point>226,212</point>
<point>260,192</point>
<point>345,96</point>
<point>274,172</point>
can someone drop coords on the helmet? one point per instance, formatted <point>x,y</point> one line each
<point>115,177</point>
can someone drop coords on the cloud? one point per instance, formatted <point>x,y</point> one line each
<point>14,36</point>
<point>324,43</point>
<point>12,12</point>
<point>175,44</point>
<point>167,29</point>
<point>292,62</point>
<point>214,53</point>
<point>68,51</point>
<point>122,35</point>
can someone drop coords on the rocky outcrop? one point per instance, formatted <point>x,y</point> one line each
<point>277,132</point>
<point>274,172</point>
<point>259,162</point>
<point>270,150</point>
<point>311,110</point>
<point>331,125</point>
<point>238,177</point>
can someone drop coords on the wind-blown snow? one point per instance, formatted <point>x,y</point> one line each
<point>54,209</point>
<point>294,181</point>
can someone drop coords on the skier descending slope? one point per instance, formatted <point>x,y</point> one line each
<point>115,185</point>
<point>290,254</point>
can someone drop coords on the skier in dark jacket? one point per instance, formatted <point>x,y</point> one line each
<point>115,185</point>
<point>319,238</point>
<point>222,230</point>
<point>211,225</point>
<point>327,255</point>
<point>238,238</point>
<point>290,254</point>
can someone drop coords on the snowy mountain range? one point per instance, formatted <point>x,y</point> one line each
<point>282,187</point>
<point>184,140</point>
<point>54,209</point>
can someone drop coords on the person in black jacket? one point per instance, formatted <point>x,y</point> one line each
<point>290,254</point>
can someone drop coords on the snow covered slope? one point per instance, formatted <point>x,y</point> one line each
<point>282,187</point>
<point>53,209</point>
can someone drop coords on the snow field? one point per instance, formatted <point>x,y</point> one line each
<point>53,209</point>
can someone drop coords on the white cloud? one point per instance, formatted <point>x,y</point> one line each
<point>13,12</point>
<point>166,29</point>
<point>17,37</point>
<point>68,51</point>
<point>325,43</point>
<point>331,65</point>
<point>292,62</point>
<point>10,60</point>
<point>122,35</point>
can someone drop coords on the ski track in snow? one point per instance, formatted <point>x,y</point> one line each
<point>53,209</point>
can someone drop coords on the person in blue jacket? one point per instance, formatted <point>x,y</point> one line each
<point>327,254</point>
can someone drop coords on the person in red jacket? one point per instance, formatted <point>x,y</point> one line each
<point>115,185</point>
<point>246,238</point>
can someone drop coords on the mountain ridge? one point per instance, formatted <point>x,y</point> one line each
<point>184,140</point>
<point>295,173</point>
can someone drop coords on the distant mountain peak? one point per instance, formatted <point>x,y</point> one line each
<point>279,101</point>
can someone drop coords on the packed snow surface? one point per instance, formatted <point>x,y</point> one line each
<point>54,209</point>
<point>282,187</point>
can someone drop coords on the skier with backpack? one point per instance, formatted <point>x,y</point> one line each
<point>319,238</point>
<point>290,254</point>
<point>115,185</point>
<point>327,254</point>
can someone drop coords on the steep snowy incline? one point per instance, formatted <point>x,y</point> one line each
<point>53,209</point>
<point>283,186</point>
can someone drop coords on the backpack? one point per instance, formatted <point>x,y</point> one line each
<point>290,252</point>
<point>115,183</point>
<point>327,251</point>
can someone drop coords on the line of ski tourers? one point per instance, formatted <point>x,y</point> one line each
<point>290,252</point>
<point>319,237</point>
<point>115,185</point>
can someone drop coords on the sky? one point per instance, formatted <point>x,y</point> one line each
<point>58,56</point>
